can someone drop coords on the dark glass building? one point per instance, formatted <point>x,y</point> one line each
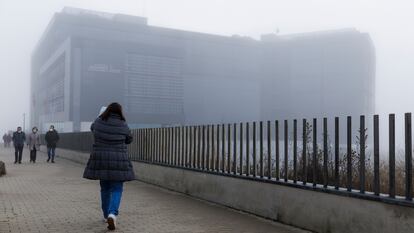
<point>87,59</point>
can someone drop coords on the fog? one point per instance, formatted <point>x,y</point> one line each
<point>387,22</point>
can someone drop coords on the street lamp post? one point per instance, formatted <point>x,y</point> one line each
<point>24,122</point>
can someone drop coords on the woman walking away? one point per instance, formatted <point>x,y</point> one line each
<point>109,161</point>
<point>34,144</point>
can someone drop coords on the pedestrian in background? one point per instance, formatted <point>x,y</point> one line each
<point>109,160</point>
<point>19,137</point>
<point>9,139</point>
<point>34,144</point>
<point>52,138</point>
<point>5,140</point>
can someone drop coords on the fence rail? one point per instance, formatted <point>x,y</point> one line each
<point>252,150</point>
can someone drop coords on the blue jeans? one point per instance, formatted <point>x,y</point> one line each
<point>51,153</point>
<point>111,193</point>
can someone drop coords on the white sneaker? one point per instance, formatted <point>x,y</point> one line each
<point>111,222</point>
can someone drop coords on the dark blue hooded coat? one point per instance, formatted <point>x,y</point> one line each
<point>109,157</point>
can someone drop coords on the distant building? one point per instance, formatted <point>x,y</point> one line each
<point>87,59</point>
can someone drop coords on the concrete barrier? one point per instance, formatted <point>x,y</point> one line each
<point>75,156</point>
<point>315,211</point>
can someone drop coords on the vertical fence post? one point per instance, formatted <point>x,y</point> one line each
<point>182,163</point>
<point>194,154</point>
<point>189,146</point>
<point>408,158</point>
<point>254,149</point>
<point>169,146</point>
<point>228,148</point>
<point>304,145</point>
<point>277,149</point>
<point>286,151</point>
<point>176,145</point>
<point>199,147</point>
<point>241,149</point>
<point>348,154</point>
<point>376,156</point>
<point>159,144</point>
<point>203,148</point>
<point>362,154</point>
<point>180,144</point>
<point>325,152</point>
<point>207,147</point>
<point>392,155</point>
<point>269,150</point>
<point>151,144</point>
<point>336,153</point>
<point>156,144</point>
<point>247,149</point>
<point>164,142</point>
<point>144,139</point>
<point>186,147</point>
<point>146,144</point>
<point>223,147</point>
<point>218,149</point>
<point>192,147</point>
<point>261,148</point>
<point>315,151</point>
<point>212,148</point>
<point>234,148</point>
<point>295,150</point>
<point>140,144</point>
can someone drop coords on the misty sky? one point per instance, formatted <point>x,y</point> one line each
<point>388,22</point>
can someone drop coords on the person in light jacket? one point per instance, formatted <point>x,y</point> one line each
<point>33,141</point>
<point>109,160</point>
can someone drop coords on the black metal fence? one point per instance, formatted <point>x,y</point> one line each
<point>253,151</point>
<point>82,141</point>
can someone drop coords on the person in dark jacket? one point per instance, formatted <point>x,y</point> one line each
<point>34,144</point>
<point>109,160</point>
<point>18,142</point>
<point>52,138</point>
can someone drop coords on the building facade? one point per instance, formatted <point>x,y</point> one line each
<point>162,76</point>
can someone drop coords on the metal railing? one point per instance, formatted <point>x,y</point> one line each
<point>79,141</point>
<point>254,151</point>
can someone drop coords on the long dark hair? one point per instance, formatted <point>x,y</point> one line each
<point>113,108</point>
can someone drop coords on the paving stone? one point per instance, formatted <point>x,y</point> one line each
<point>45,197</point>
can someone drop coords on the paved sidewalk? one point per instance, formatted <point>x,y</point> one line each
<point>45,197</point>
